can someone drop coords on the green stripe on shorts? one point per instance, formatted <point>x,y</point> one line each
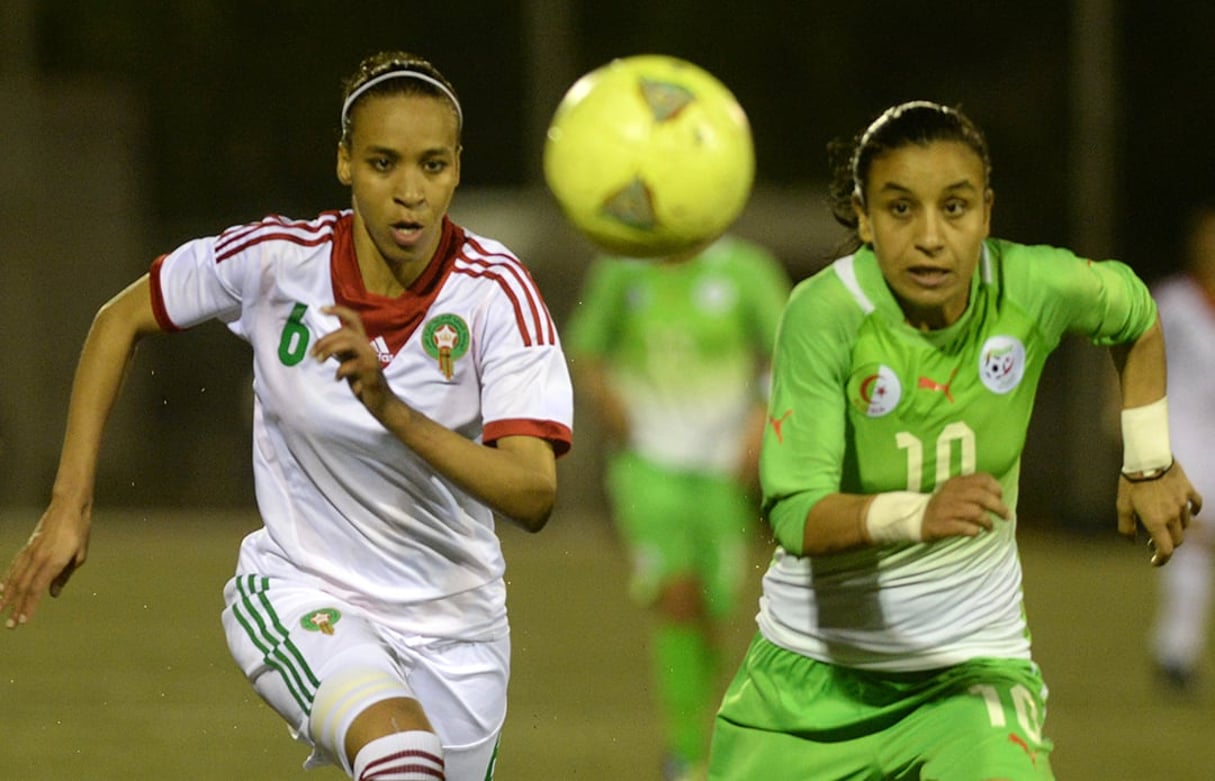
<point>261,623</point>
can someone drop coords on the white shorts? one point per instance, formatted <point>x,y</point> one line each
<point>284,635</point>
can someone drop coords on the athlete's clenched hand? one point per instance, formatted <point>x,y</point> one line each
<point>963,507</point>
<point>1164,506</point>
<point>358,363</point>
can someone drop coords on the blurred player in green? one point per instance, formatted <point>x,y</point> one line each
<point>892,635</point>
<point>673,355</point>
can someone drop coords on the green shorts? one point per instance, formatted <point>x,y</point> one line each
<point>787,717</point>
<point>681,524</point>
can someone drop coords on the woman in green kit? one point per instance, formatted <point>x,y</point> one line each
<point>673,357</point>
<point>892,642</point>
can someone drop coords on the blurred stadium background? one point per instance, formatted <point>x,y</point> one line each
<point>132,125</point>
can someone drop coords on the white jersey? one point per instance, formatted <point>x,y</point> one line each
<point>345,505</point>
<point>1188,316</point>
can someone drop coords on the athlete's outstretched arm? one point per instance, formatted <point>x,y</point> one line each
<point>1164,503</point>
<point>59,543</point>
<point>518,478</point>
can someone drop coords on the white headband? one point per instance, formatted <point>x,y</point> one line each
<point>889,114</point>
<point>401,74</point>
<point>896,111</point>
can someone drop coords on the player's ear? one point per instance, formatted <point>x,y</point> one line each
<point>343,164</point>
<point>864,230</point>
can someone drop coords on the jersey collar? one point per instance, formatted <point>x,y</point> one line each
<point>393,319</point>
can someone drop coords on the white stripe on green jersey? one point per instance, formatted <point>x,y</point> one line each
<point>864,403</point>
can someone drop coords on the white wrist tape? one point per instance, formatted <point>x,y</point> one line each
<point>1145,437</point>
<point>896,516</point>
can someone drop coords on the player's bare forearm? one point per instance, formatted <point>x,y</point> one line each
<point>59,544</point>
<point>963,506</point>
<point>107,352</point>
<point>836,523</point>
<point>1141,367</point>
<point>1153,490</point>
<point>517,478</point>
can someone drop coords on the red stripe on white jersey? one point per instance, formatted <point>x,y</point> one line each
<point>529,335</point>
<point>237,232</point>
<point>306,233</point>
<point>534,320</point>
<point>158,300</point>
<point>558,434</point>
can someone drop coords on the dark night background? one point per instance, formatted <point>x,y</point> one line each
<point>230,112</point>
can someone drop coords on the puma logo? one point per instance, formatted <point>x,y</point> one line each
<point>777,423</point>
<point>932,385</point>
<point>1033,755</point>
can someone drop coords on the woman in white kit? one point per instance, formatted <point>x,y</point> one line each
<point>409,385</point>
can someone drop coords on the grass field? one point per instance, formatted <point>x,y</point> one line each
<point>127,675</point>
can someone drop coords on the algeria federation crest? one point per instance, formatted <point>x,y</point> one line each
<point>446,339</point>
<point>1002,363</point>
<point>875,390</point>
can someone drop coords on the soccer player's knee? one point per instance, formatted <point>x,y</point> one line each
<point>682,600</point>
<point>345,694</point>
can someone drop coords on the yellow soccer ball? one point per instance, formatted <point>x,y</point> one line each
<point>649,156</point>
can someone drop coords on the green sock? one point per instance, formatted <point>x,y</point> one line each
<point>686,671</point>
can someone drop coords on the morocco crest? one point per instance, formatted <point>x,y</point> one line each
<point>446,339</point>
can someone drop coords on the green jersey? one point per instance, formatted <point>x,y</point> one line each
<point>687,346</point>
<point>864,403</point>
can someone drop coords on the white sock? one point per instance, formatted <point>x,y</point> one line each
<point>401,756</point>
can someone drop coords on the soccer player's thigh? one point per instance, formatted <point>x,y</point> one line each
<point>463,688</point>
<point>283,637</point>
<point>649,506</point>
<point>988,725</point>
<point>767,728</point>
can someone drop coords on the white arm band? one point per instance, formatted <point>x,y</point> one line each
<point>1145,437</point>
<point>896,516</point>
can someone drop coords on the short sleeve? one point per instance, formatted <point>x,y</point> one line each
<point>1104,301</point>
<point>191,285</point>
<point>525,383</point>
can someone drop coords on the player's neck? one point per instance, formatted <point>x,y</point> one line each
<point>383,276</point>
<point>381,280</point>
